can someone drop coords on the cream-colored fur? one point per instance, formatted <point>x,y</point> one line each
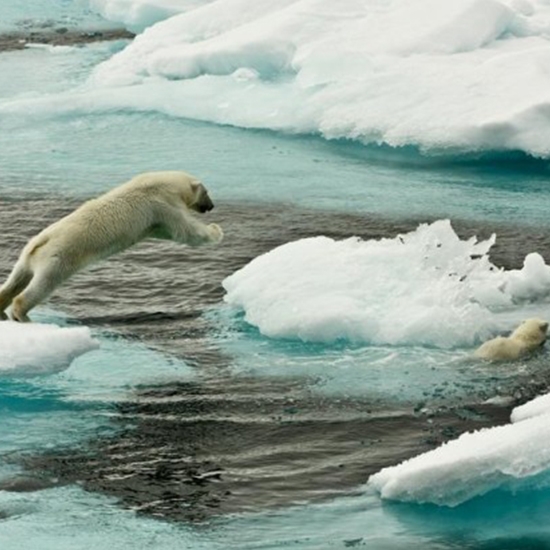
<point>529,336</point>
<point>151,205</point>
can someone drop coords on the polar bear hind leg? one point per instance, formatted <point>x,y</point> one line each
<point>17,281</point>
<point>43,283</point>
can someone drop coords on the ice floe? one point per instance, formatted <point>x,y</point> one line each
<point>511,457</point>
<point>427,287</point>
<point>463,75</point>
<point>28,349</point>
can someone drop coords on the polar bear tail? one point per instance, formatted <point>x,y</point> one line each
<point>17,281</point>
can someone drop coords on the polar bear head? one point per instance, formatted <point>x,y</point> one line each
<point>174,187</point>
<point>197,198</point>
<point>532,332</point>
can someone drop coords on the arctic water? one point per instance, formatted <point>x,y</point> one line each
<point>385,206</point>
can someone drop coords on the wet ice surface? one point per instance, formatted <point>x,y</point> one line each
<point>254,429</point>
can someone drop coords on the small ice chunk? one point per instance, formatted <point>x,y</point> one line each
<point>29,349</point>
<point>536,407</point>
<point>503,457</point>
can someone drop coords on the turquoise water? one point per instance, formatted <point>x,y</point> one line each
<point>241,165</point>
<point>18,16</point>
<point>72,154</point>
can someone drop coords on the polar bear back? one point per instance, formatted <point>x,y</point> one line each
<point>526,338</point>
<point>114,221</point>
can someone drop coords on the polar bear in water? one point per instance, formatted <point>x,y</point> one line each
<point>152,205</point>
<point>529,336</point>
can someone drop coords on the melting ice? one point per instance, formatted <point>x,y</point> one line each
<point>427,287</point>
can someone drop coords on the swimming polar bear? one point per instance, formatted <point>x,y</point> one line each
<point>151,205</point>
<point>529,336</point>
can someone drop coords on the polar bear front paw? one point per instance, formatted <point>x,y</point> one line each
<point>216,233</point>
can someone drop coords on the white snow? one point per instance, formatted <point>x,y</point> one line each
<point>537,407</point>
<point>426,287</point>
<point>459,75</point>
<point>29,349</point>
<point>447,77</point>
<point>510,457</point>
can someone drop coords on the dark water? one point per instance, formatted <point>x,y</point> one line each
<point>222,444</point>
<point>58,36</point>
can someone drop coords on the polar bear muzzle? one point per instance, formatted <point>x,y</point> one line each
<point>203,203</point>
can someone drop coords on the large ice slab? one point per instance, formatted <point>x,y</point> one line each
<point>513,457</point>
<point>28,349</point>
<point>459,75</point>
<point>427,287</point>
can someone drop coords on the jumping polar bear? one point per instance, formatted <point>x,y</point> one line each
<point>151,205</point>
<point>529,336</point>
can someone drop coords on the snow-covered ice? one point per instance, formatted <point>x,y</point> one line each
<point>139,14</point>
<point>459,75</point>
<point>513,457</point>
<point>29,349</point>
<point>536,407</point>
<point>427,287</point>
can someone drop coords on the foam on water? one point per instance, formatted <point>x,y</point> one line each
<point>426,287</point>
<point>463,76</point>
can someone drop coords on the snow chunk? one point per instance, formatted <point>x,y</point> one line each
<point>536,407</point>
<point>508,456</point>
<point>30,349</point>
<point>427,287</point>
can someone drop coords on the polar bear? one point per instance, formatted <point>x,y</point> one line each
<point>151,205</point>
<point>530,335</point>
